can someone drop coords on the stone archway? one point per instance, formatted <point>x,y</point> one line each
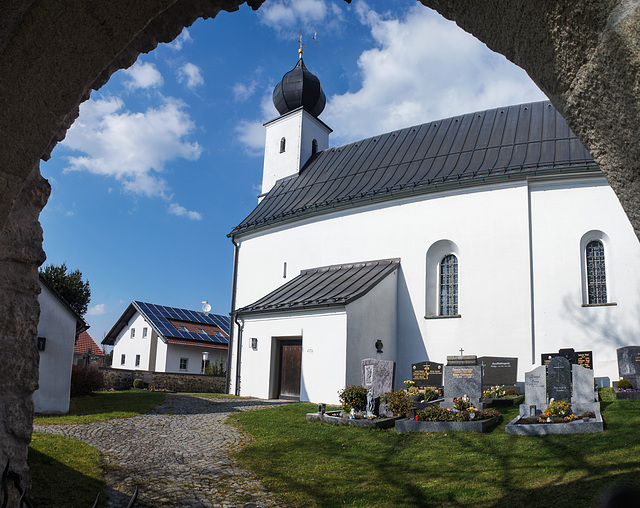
<point>584,55</point>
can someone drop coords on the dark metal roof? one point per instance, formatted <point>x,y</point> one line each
<point>299,87</point>
<point>158,317</point>
<point>328,286</point>
<point>510,142</point>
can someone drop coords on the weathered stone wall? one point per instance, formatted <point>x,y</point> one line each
<point>20,255</point>
<point>121,379</point>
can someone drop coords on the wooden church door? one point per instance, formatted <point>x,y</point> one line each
<point>290,368</point>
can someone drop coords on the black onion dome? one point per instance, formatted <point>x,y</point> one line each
<point>299,87</point>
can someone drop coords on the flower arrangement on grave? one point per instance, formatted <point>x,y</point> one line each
<point>409,384</point>
<point>398,402</point>
<point>494,392</point>
<point>430,394</point>
<point>556,412</point>
<point>462,404</point>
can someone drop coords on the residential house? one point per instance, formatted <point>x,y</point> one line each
<point>157,338</point>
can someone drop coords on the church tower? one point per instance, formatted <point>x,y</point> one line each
<point>297,134</point>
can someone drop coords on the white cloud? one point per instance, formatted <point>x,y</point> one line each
<point>422,68</point>
<point>181,211</point>
<point>290,13</point>
<point>97,310</point>
<point>143,75</point>
<point>242,91</point>
<point>132,147</point>
<point>191,75</point>
<point>180,41</point>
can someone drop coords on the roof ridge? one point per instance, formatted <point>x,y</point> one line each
<point>346,266</point>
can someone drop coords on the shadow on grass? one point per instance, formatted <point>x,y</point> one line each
<point>54,484</point>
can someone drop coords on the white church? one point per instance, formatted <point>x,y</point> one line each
<point>493,232</point>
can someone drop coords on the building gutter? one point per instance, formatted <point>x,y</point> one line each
<point>234,284</point>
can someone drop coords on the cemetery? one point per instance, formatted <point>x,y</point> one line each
<point>558,397</point>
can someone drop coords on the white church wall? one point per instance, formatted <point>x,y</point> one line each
<point>490,227</point>
<point>561,320</point>
<point>58,326</point>
<point>372,317</point>
<point>323,354</point>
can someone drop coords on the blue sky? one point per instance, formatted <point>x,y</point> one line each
<point>166,158</point>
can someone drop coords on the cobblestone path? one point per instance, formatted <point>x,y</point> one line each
<point>177,454</point>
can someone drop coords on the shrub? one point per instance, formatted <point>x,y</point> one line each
<point>85,380</point>
<point>624,384</point>
<point>353,397</point>
<point>138,383</point>
<point>441,414</point>
<point>216,369</point>
<point>510,392</point>
<point>398,402</point>
<point>485,414</point>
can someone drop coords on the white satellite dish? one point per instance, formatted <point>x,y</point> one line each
<point>206,307</point>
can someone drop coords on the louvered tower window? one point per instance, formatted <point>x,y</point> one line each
<point>283,145</point>
<point>449,285</point>
<point>596,276</point>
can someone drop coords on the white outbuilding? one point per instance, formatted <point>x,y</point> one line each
<point>494,232</point>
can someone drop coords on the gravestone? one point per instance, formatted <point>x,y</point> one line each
<point>583,397</point>
<point>425,374</point>
<point>535,390</point>
<point>498,371</point>
<point>559,376</point>
<point>378,375</point>
<point>583,358</point>
<point>629,364</point>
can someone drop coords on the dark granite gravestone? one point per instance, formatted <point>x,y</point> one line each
<point>462,380</point>
<point>582,358</point>
<point>499,370</point>
<point>378,375</point>
<point>559,376</point>
<point>425,374</point>
<point>629,364</point>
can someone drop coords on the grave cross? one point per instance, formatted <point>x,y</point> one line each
<point>461,350</point>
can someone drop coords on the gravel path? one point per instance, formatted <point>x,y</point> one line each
<point>178,454</point>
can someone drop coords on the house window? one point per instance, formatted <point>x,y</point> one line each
<point>183,328</point>
<point>137,360</point>
<point>122,357</point>
<point>283,143</point>
<point>133,333</point>
<point>144,332</point>
<point>449,286</point>
<point>314,147</point>
<point>183,363</point>
<point>596,276</point>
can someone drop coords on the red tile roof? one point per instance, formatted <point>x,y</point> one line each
<point>85,342</point>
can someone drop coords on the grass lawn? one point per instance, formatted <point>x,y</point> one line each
<point>67,472</point>
<point>319,464</point>
<point>105,406</point>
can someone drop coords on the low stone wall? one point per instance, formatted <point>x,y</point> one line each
<point>121,379</point>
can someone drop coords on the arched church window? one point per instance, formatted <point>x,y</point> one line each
<point>283,143</point>
<point>449,286</point>
<point>596,274</point>
<point>314,147</point>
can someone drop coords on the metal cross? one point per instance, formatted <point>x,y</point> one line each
<point>461,350</point>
